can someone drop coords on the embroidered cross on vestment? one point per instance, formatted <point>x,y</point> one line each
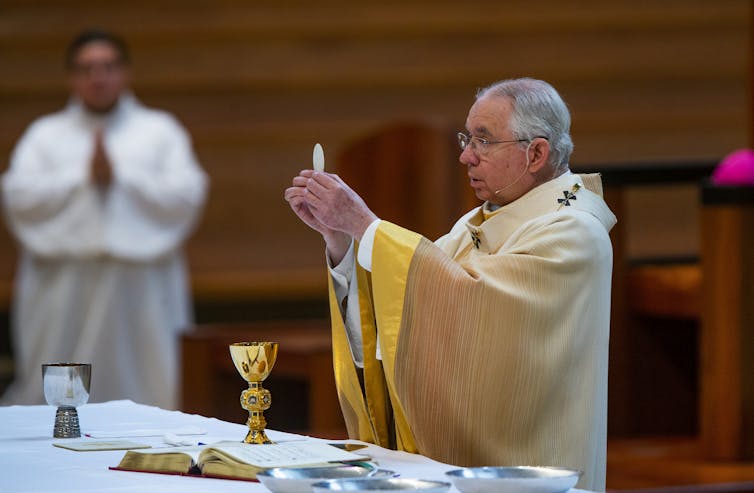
<point>475,239</point>
<point>568,196</point>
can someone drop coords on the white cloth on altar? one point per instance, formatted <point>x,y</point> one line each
<point>32,464</point>
<point>101,277</point>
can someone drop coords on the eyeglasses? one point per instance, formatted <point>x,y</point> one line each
<point>480,145</point>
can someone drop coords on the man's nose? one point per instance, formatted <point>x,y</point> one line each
<point>468,157</point>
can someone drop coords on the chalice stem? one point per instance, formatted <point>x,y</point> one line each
<point>256,399</point>
<point>66,423</point>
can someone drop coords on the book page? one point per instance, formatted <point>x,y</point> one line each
<point>288,454</point>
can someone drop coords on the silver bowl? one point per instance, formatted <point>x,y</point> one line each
<point>301,479</point>
<point>379,485</point>
<point>518,479</point>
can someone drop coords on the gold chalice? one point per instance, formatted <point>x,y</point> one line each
<point>254,361</point>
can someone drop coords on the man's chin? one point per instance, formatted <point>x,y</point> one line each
<point>100,107</point>
<point>483,195</point>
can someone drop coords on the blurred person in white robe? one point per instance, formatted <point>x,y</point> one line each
<point>487,347</point>
<point>101,197</point>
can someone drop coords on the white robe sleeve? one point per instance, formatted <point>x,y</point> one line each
<point>148,210</point>
<point>157,192</point>
<point>366,245</point>
<point>346,288</point>
<point>50,205</point>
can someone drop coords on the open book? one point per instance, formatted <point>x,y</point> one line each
<point>234,460</point>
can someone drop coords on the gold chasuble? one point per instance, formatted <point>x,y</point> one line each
<point>494,339</point>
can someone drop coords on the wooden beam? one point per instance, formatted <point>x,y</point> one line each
<point>727,335</point>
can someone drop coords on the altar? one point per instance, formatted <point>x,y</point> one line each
<point>30,462</point>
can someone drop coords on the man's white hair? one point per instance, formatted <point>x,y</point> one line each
<point>538,111</point>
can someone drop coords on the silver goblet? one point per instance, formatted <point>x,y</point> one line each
<point>66,385</point>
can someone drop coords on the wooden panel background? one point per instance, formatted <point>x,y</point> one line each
<point>257,83</point>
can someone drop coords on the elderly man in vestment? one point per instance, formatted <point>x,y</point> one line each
<point>488,346</point>
<point>101,196</point>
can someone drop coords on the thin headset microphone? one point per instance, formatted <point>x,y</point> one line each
<point>526,169</point>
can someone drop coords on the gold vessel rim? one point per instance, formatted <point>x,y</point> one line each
<point>253,343</point>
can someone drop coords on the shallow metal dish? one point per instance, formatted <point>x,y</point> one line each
<point>377,485</point>
<point>300,479</point>
<point>519,479</point>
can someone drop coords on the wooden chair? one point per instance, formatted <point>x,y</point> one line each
<point>720,458</point>
<point>665,291</point>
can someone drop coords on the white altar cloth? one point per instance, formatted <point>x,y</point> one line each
<point>30,463</point>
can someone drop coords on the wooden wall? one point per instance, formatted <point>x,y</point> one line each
<point>258,83</point>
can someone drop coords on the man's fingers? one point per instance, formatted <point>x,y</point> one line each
<point>294,192</point>
<point>299,181</point>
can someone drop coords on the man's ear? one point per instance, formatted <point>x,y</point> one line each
<point>539,153</point>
